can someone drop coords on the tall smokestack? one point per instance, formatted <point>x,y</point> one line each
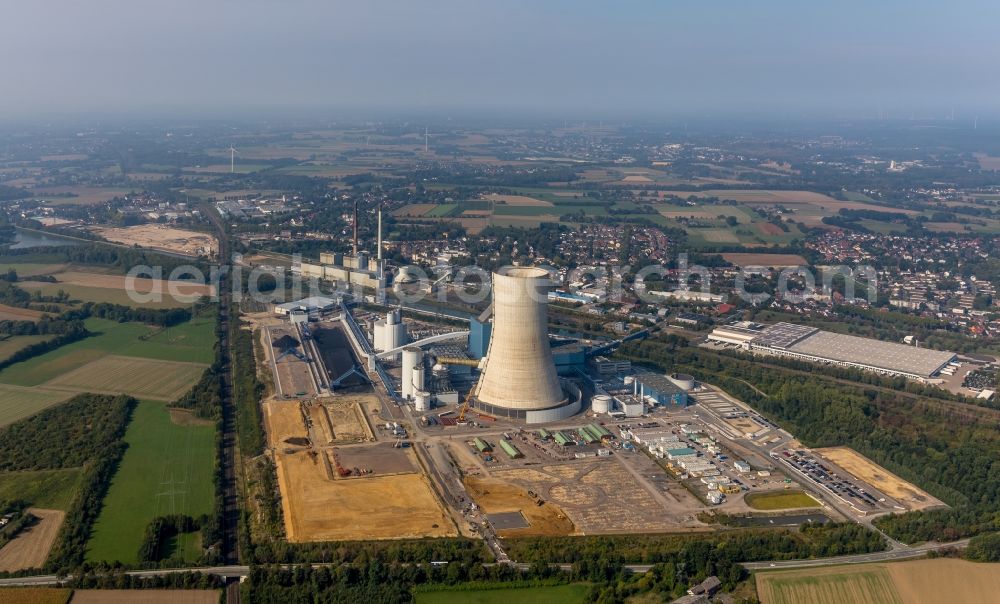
<point>519,374</point>
<point>379,255</point>
<point>355,253</point>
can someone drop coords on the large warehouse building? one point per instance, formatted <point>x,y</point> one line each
<point>811,344</point>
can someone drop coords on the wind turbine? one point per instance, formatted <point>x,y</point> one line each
<point>232,159</point>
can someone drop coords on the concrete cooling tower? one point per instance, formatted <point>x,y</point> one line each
<point>519,379</point>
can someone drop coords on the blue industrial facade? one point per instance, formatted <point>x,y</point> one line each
<point>661,390</point>
<point>479,338</point>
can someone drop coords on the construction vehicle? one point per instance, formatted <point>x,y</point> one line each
<point>465,406</point>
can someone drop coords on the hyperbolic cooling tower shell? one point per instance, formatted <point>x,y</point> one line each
<point>519,372</point>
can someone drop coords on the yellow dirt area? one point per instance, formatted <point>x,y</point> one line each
<point>145,596</point>
<point>880,478</point>
<point>158,236</point>
<point>316,508</point>
<point>494,496</point>
<point>283,420</point>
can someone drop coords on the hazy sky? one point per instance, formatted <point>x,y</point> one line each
<point>614,58</point>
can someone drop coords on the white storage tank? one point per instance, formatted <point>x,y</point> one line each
<point>629,380</point>
<point>601,403</point>
<point>412,358</point>
<point>422,400</point>
<point>682,380</point>
<point>378,336</point>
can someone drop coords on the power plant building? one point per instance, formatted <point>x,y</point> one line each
<point>519,378</point>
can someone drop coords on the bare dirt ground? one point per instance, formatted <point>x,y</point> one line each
<point>161,237</point>
<point>145,596</point>
<point>495,496</point>
<point>376,507</point>
<point>347,417</point>
<point>13,313</point>
<point>283,423</point>
<point>880,478</point>
<point>31,546</point>
<point>602,497</point>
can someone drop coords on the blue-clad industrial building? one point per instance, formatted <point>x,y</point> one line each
<point>659,389</point>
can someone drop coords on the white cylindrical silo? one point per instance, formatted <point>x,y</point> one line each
<point>519,373</point>
<point>601,403</point>
<point>418,377</point>
<point>683,381</point>
<point>412,358</point>
<point>422,400</point>
<point>378,336</point>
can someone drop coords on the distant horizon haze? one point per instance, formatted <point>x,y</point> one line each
<point>635,59</point>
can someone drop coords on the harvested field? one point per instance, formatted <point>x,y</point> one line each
<point>145,596</point>
<point>517,200</point>
<point>988,162</point>
<point>880,478</point>
<point>185,291</point>
<point>142,378</point>
<point>769,260</point>
<point>31,546</point>
<point>945,580</point>
<point>494,497</point>
<point>283,422</point>
<point>59,196</point>
<point>18,402</point>
<point>912,582</point>
<point>11,344</point>
<point>86,293</point>
<point>867,584</point>
<point>377,507</point>
<point>34,595</point>
<point>13,313</point>
<point>414,210</point>
<point>162,237</point>
<point>637,178</point>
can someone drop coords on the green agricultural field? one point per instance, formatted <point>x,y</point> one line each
<point>29,269</point>
<point>857,196</point>
<point>551,594</point>
<point>12,344</point>
<point>48,489</point>
<point>18,402</point>
<point>781,500</point>
<point>192,341</point>
<point>442,210</point>
<point>167,469</point>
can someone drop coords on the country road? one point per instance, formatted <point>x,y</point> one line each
<point>239,571</point>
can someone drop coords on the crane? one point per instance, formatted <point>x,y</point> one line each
<point>465,405</point>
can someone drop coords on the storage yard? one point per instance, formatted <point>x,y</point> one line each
<point>909,495</point>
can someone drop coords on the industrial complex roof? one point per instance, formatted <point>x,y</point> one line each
<point>873,353</point>
<point>657,382</point>
<point>783,335</point>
